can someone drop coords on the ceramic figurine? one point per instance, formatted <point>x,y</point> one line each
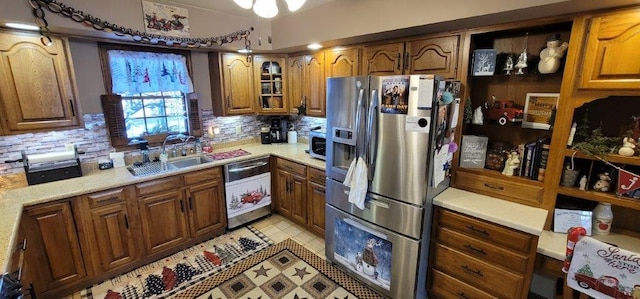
<point>512,163</point>
<point>522,63</point>
<point>604,182</point>
<point>583,183</point>
<point>477,116</point>
<point>628,148</point>
<point>550,56</point>
<point>508,66</point>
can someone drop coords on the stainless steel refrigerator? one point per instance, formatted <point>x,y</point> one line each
<point>400,127</point>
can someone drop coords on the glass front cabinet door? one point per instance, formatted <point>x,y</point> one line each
<point>271,87</point>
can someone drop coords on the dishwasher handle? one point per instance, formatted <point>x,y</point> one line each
<point>248,167</point>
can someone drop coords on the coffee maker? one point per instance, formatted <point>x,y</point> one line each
<point>279,128</point>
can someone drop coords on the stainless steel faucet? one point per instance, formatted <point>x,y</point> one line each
<point>184,142</point>
<point>180,136</point>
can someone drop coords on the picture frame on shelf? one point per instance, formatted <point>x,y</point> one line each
<point>539,109</point>
<point>484,62</point>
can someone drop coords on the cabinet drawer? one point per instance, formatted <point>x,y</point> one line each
<point>292,167</point>
<point>482,250</point>
<point>106,197</point>
<point>207,175</point>
<point>445,286</point>
<point>485,231</point>
<point>159,185</point>
<point>478,273</point>
<point>529,193</point>
<point>317,176</point>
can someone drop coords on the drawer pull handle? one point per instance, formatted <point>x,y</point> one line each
<point>478,250</point>
<point>468,269</point>
<point>461,295</point>
<point>481,231</point>
<point>107,200</point>
<point>495,187</point>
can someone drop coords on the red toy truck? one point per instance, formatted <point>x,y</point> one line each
<point>504,111</point>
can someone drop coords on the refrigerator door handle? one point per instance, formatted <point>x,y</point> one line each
<point>372,139</point>
<point>358,119</point>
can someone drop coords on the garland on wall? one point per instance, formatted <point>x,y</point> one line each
<point>136,35</point>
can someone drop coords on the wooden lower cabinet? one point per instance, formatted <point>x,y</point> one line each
<point>300,194</point>
<point>316,201</point>
<point>107,220</point>
<point>53,254</point>
<point>205,196</point>
<point>473,258</point>
<point>163,221</point>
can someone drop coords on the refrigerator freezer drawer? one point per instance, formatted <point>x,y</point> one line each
<point>384,260</point>
<point>379,210</point>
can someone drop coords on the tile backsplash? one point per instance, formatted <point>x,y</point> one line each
<point>94,139</point>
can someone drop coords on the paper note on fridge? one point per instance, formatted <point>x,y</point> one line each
<point>418,124</point>
<point>425,93</point>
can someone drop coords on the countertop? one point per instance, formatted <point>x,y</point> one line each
<point>521,217</point>
<point>12,201</point>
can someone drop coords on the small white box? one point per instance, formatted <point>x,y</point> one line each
<point>564,219</point>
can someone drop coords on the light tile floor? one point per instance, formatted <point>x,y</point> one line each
<point>278,229</point>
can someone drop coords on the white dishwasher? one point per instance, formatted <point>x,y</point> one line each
<point>247,191</point>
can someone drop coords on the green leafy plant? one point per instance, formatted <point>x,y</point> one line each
<point>597,144</point>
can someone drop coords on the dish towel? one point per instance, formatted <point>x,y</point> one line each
<point>601,270</point>
<point>357,180</point>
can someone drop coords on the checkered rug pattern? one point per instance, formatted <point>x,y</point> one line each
<point>285,270</point>
<point>176,273</point>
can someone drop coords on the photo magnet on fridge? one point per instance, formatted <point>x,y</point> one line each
<point>395,95</point>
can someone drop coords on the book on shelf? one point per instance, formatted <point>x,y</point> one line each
<point>527,162</point>
<point>543,157</point>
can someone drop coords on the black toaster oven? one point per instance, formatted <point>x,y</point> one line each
<point>318,143</point>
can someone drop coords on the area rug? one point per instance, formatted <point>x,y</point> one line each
<point>285,270</point>
<point>176,273</point>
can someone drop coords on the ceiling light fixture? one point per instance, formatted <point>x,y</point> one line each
<point>246,4</point>
<point>314,46</point>
<point>268,8</point>
<point>22,26</point>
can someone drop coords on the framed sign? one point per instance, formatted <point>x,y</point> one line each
<point>473,151</point>
<point>538,110</point>
<point>484,62</point>
<point>165,19</point>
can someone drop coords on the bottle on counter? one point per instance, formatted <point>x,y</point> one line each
<point>198,146</point>
<point>602,219</point>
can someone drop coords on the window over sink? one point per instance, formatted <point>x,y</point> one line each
<point>151,94</point>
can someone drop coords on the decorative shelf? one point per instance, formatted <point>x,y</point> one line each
<point>612,158</point>
<point>600,197</point>
<point>497,174</point>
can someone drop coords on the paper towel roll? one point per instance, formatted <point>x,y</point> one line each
<point>51,157</point>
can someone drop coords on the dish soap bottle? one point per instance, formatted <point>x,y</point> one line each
<point>602,219</point>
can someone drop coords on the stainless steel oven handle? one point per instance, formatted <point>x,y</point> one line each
<point>248,167</point>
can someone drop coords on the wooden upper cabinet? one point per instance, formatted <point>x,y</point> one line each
<point>342,62</point>
<point>611,45</point>
<point>232,90</point>
<point>383,60</point>
<point>271,90</point>
<point>433,56</point>
<point>314,84</point>
<point>37,85</point>
<point>295,72</point>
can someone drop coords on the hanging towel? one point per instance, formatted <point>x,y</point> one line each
<point>356,179</point>
<point>601,270</point>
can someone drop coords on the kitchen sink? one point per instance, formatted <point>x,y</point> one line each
<point>191,161</point>
<point>156,167</point>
